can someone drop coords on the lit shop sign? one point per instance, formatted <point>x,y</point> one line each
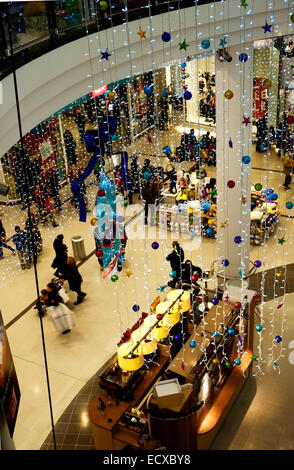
<point>99,91</point>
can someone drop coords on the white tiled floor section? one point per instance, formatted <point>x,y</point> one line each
<point>107,309</point>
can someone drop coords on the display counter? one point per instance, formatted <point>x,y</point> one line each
<point>179,395</point>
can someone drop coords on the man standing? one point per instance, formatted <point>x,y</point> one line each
<point>19,239</point>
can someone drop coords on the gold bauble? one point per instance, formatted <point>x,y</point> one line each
<point>279,274</point>
<point>111,95</point>
<point>229,94</point>
<point>93,221</point>
<point>267,84</point>
<point>215,361</point>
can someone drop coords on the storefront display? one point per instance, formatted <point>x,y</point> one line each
<point>264,215</point>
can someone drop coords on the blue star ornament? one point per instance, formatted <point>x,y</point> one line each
<point>267,27</point>
<point>223,42</point>
<point>161,288</point>
<point>105,54</point>
<point>114,137</point>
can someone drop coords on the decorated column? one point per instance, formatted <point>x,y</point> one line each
<point>233,134</point>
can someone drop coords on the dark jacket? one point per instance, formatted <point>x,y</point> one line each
<point>148,194</point>
<point>19,239</point>
<point>72,275</point>
<point>188,271</point>
<point>176,259</point>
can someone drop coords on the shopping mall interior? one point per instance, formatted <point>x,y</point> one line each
<point>157,138</point>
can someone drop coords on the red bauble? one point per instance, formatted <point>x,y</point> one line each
<point>185,87</point>
<point>194,278</point>
<point>231,184</point>
<point>237,305</point>
<point>290,43</point>
<point>99,253</point>
<point>159,316</point>
<point>101,193</point>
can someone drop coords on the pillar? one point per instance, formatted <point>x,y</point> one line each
<point>233,204</point>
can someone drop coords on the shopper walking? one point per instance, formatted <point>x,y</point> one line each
<point>62,317</point>
<point>59,262</point>
<point>74,278</point>
<point>3,241</point>
<point>80,122</point>
<point>148,196</point>
<point>70,146</point>
<point>50,208</point>
<point>288,164</point>
<point>20,239</point>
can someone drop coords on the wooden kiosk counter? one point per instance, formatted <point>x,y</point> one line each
<point>175,376</point>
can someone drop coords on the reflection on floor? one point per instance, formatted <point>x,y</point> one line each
<point>107,310</point>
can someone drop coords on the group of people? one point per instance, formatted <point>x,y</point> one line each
<point>27,241</point>
<point>183,272</point>
<point>201,151</point>
<point>54,298</point>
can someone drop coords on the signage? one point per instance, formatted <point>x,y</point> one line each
<point>9,388</point>
<point>100,91</point>
<point>47,155</point>
<point>259,99</point>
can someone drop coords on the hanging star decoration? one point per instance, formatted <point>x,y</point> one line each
<point>254,357</point>
<point>114,137</point>
<point>267,27</point>
<point>128,273</point>
<point>124,203</point>
<point>183,45</point>
<point>244,4</point>
<point>213,192</point>
<point>243,200</point>
<point>141,33</point>
<point>246,120</point>
<point>223,42</point>
<point>161,288</point>
<point>224,224</point>
<point>281,241</point>
<point>105,54</point>
<point>230,143</point>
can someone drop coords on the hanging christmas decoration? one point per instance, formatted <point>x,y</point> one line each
<point>166,37</point>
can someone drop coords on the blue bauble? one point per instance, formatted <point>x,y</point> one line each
<point>289,205</point>
<point>257,263</point>
<point>166,150</point>
<point>148,90</point>
<point>146,175</point>
<point>225,262</point>
<point>166,37</point>
<point>243,57</point>
<point>209,231</point>
<point>183,64</point>
<point>252,205</point>
<point>205,44</point>
<point>237,362</point>
<point>231,331</point>
<point>278,339</point>
<point>155,245</point>
<point>120,218</point>
<point>215,301</point>
<point>173,274</point>
<point>177,337</point>
<point>136,308</point>
<point>258,328</point>
<point>238,239</point>
<point>187,95</point>
<point>192,344</point>
<point>216,334</point>
<point>205,206</point>
<point>246,159</point>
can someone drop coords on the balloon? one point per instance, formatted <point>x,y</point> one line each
<point>166,37</point>
<point>243,57</point>
<point>192,344</point>
<point>148,90</point>
<point>155,245</point>
<point>205,44</point>
<point>246,159</point>
<point>111,95</point>
<point>187,95</point>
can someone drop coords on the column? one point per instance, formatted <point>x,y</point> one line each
<point>233,139</point>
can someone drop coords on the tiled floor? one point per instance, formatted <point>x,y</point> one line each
<point>75,358</point>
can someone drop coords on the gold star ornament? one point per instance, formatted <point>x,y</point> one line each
<point>141,33</point>
<point>224,224</point>
<point>128,273</point>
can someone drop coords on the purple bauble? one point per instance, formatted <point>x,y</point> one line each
<point>238,239</point>
<point>257,263</point>
<point>155,245</point>
<point>225,262</point>
<point>187,95</point>
<point>214,301</point>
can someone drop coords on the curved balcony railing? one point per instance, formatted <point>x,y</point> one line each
<point>37,30</point>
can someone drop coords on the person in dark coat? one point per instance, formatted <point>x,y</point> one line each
<point>70,145</point>
<point>80,122</point>
<point>3,241</point>
<point>188,270</point>
<point>149,197</point>
<point>74,279</point>
<point>60,259</point>
<point>176,258</point>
